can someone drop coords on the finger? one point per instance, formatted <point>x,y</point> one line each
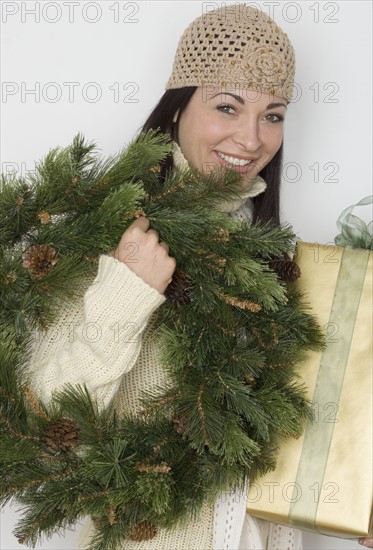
<point>367,542</point>
<point>153,232</point>
<point>173,261</point>
<point>170,279</point>
<point>142,222</point>
<point>165,246</point>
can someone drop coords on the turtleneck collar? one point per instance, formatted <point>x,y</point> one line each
<point>257,185</point>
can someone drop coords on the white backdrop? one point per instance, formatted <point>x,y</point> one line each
<point>100,67</point>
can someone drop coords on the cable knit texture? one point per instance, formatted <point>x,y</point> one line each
<point>97,339</point>
<point>108,340</point>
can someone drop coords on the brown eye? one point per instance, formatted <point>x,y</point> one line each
<point>275,118</point>
<point>228,109</point>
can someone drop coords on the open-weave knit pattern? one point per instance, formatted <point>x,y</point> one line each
<point>235,47</point>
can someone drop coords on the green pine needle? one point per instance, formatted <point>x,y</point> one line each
<point>230,348</point>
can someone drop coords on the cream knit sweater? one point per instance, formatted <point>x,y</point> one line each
<point>108,341</point>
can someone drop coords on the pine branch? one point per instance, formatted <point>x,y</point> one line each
<point>231,339</point>
<point>192,190</point>
<point>95,424</point>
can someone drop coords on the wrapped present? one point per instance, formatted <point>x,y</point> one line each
<point>323,481</point>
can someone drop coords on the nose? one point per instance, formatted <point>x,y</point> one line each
<point>247,134</point>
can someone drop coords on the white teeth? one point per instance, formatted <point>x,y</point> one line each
<point>233,160</point>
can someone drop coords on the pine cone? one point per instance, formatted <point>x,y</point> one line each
<point>39,259</point>
<point>179,425</point>
<point>112,516</point>
<point>61,435</point>
<point>287,270</point>
<point>44,217</point>
<point>143,531</point>
<point>250,380</point>
<point>177,291</point>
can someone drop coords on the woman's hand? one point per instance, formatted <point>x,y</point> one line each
<point>140,249</point>
<point>367,542</point>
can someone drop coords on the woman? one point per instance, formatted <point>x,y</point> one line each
<point>224,107</point>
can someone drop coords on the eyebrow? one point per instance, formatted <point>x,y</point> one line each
<point>242,101</point>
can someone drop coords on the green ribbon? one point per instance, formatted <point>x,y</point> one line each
<point>354,232</point>
<point>333,363</point>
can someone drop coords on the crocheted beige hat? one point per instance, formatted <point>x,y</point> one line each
<point>236,46</point>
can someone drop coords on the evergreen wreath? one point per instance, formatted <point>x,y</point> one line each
<point>232,336</point>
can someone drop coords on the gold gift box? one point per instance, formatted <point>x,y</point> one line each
<point>323,481</point>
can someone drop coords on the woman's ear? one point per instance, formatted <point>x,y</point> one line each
<point>176,116</point>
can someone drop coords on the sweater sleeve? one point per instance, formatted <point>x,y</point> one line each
<point>95,340</point>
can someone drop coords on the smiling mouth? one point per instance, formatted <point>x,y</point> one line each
<point>238,164</point>
<point>233,160</point>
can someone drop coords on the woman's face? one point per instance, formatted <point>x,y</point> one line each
<point>233,128</point>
